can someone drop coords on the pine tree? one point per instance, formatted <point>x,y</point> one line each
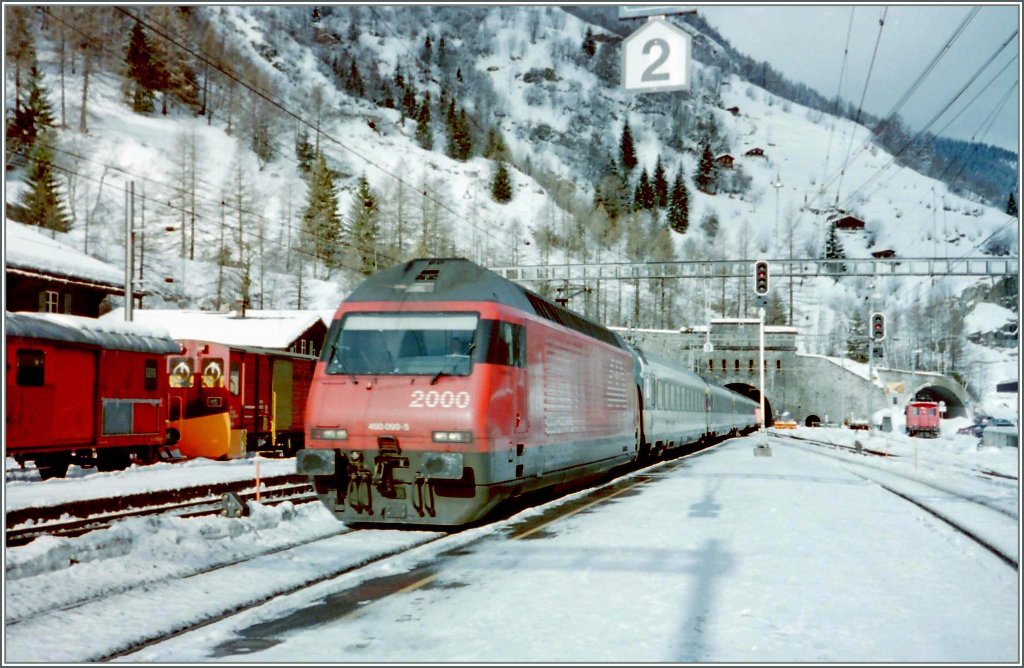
<point>423,134</point>
<point>32,116</point>
<point>464,140</point>
<point>142,71</point>
<point>409,106</point>
<point>320,220</point>
<point>364,228</point>
<point>501,184</point>
<point>707,172</point>
<point>304,152</point>
<point>627,151</point>
<point>660,185</point>
<point>427,54</point>
<point>589,45</point>
<point>495,147</point>
<point>834,249</point>
<point>679,209</point>
<point>41,203</point>
<point>643,197</point>
<point>354,82</point>
<point>857,337</point>
<point>1011,206</point>
<point>442,54</point>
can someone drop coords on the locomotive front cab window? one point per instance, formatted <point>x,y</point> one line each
<point>403,344</point>
<point>31,368</point>
<point>179,372</point>
<point>213,372</point>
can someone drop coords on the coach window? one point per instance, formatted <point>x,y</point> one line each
<point>31,368</point>
<point>711,365</point>
<point>723,365</point>
<point>149,381</point>
<point>778,365</point>
<point>736,365</point>
<point>750,366</point>
<point>236,373</point>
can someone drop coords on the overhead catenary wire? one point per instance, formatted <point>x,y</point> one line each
<point>878,173</point>
<point>942,52</point>
<point>215,201</point>
<point>285,110</point>
<point>241,230</point>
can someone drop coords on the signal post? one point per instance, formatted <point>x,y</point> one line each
<point>761,449</point>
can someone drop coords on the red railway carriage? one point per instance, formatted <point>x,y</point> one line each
<point>923,418</point>
<point>261,391</point>
<point>443,389</point>
<point>81,391</point>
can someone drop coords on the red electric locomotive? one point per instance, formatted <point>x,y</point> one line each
<point>923,418</point>
<point>443,389</point>
<point>84,391</point>
<point>258,393</point>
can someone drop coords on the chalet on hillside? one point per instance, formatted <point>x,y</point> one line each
<point>848,223</point>
<point>735,111</point>
<point>300,332</point>
<point>887,252</point>
<point>46,275</point>
<point>755,153</point>
<point>725,160</point>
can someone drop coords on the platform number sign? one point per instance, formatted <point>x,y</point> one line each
<point>656,58</point>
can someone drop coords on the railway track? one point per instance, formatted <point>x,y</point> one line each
<point>78,517</point>
<point>364,556</point>
<point>970,515</point>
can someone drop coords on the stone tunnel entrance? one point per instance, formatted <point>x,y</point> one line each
<point>954,407</point>
<point>751,391</point>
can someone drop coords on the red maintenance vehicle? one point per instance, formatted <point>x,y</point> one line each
<point>82,391</point>
<point>923,419</point>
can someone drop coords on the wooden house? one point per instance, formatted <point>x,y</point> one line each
<point>44,274</point>
<point>755,153</point>
<point>725,161</point>
<point>848,223</point>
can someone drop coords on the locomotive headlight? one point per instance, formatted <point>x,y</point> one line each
<point>356,456</point>
<point>329,434</point>
<point>453,436</point>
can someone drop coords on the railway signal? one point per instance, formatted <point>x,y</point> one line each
<point>761,277</point>
<point>877,326</point>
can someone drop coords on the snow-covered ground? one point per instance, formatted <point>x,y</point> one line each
<point>796,557</point>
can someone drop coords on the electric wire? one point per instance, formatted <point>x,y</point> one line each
<point>288,112</point>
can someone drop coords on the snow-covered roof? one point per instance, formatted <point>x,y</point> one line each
<point>259,328</point>
<point>108,333</point>
<point>28,249</point>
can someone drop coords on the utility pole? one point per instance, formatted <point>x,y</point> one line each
<point>129,248</point>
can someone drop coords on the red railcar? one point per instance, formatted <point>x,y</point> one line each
<point>84,391</point>
<point>923,418</point>
<point>262,392</point>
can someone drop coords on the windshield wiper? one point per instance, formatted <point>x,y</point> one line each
<point>340,366</point>
<point>455,360</point>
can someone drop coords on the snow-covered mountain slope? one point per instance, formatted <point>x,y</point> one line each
<point>520,70</point>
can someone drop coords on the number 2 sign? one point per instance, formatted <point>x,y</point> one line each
<point>656,58</point>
